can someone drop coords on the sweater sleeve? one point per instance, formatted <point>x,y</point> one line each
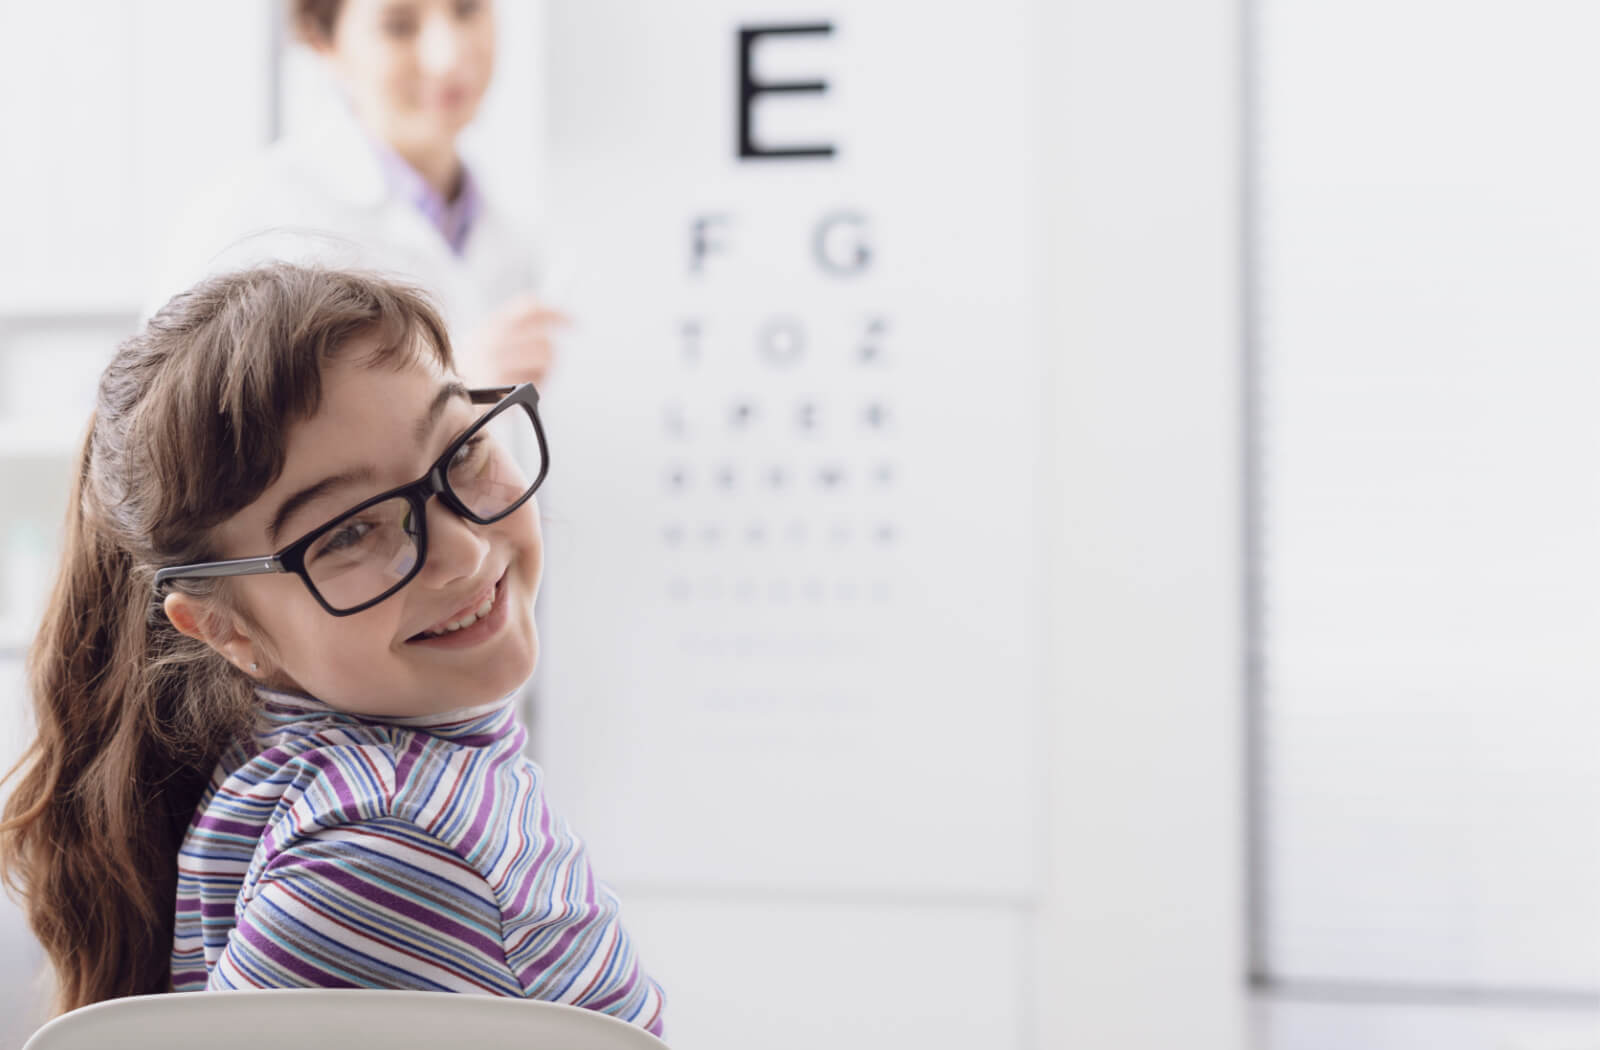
<point>376,904</point>
<point>384,903</point>
<point>565,940</point>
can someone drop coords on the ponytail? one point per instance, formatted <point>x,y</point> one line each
<point>104,793</point>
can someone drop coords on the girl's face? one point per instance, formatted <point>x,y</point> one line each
<point>415,70</point>
<point>377,428</point>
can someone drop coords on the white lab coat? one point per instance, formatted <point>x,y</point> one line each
<point>321,197</point>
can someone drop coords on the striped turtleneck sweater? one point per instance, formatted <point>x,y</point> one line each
<point>336,851</point>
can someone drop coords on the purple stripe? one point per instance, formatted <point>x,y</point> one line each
<point>408,758</point>
<point>296,965</point>
<point>622,992</point>
<point>328,763</point>
<point>366,892</point>
<point>226,826</point>
<point>486,805</point>
<point>574,926</point>
<point>520,900</point>
<point>481,739</point>
<point>274,756</point>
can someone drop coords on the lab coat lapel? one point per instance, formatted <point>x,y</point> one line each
<point>338,156</point>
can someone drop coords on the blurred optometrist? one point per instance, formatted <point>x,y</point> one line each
<point>379,183</point>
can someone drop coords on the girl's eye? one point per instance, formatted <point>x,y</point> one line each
<point>468,453</point>
<point>342,538</point>
<point>467,8</point>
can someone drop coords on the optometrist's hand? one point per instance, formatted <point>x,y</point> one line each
<point>515,345</point>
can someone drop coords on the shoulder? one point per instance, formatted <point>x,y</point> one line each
<point>315,773</point>
<point>379,903</point>
<point>276,187</point>
<point>312,773</point>
<point>363,792</point>
<point>287,202</point>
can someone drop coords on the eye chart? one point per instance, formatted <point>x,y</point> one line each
<point>790,615</point>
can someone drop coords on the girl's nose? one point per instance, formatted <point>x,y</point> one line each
<point>457,548</point>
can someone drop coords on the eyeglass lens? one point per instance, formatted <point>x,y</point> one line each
<point>371,551</point>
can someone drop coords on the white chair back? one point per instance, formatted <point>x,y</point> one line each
<point>336,1019</point>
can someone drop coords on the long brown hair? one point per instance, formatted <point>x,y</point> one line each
<point>189,427</point>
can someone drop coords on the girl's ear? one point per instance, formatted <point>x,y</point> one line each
<point>198,620</point>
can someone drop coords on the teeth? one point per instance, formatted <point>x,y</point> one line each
<point>466,621</point>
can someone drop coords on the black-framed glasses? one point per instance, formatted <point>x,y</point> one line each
<point>370,551</point>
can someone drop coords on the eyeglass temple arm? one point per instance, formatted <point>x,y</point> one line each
<point>236,567</point>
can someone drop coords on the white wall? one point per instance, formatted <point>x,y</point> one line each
<point>1141,942</point>
<point>1426,241</point>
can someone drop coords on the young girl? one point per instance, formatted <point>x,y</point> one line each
<point>275,739</point>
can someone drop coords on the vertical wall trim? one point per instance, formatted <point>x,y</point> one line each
<point>277,43</point>
<point>1255,783</point>
<point>1142,940</point>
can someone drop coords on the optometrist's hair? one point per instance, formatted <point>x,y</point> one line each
<point>313,21</point>
<point>189,427</point>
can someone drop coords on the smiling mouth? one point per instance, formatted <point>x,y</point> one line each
<point>465,619</point>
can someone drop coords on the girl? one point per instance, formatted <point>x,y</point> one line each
<point>272,686</point>
<point>378,181</point>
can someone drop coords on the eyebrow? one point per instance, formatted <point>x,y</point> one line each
<point>365,474</point>
<point>452,389</point>
<point>294,503</point>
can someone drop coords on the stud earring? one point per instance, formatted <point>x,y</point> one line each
<point>255,667</point>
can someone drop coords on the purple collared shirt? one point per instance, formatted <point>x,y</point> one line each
<point>452,218</point>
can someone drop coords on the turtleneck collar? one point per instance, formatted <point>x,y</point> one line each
<point>470,725</point>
